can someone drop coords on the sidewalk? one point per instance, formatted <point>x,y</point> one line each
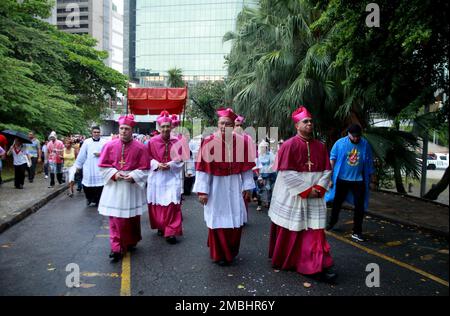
<point>411,211</point>
<point>15,205</point>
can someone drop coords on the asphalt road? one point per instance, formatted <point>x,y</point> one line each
<point>34,255</point>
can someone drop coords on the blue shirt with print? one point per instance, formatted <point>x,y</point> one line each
<point>353,165</point>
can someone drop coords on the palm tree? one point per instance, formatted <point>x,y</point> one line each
<point>175,78</point>
<point>278,63</point>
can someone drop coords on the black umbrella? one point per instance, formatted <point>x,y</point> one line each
<point>11,135</point>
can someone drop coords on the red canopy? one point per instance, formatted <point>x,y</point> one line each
<point>142,101</point>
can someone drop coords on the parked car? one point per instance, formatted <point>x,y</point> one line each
<point>437,161</point>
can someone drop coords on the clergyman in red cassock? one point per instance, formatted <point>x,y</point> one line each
<point>223,172</point>
<point>124,165</point>
<point>298,209</point>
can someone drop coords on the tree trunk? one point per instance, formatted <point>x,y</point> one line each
<point>397,172</point>
<point>399,180</point>
<point>439,187</point>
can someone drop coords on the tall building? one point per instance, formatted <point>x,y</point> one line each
<point>102,19</point>
<point>186,34</point>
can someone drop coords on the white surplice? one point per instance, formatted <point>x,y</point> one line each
<point>225,207</point>
<point>122,198</point>
<point>289,210</point>
<point>89,162</point>
<point>164,186</point>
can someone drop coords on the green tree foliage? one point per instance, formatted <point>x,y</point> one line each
<point>323,55</point>
<point>393,70</point>
<point>206,98</point>
<point>50,80</point>
<point>277,63</point>
<point>175,78</point>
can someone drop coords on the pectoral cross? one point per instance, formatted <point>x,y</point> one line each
<point>166,152</point>
<point>229,152</point>
<point>122,161</point>
<point>309,162</point>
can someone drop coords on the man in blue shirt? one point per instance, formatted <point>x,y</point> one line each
<point>352,164</point>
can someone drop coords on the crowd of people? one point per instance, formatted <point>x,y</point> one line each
<point>131,174</point>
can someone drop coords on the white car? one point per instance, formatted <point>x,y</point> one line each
<point>437,161</point>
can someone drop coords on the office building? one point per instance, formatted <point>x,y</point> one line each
<point>186,34</point>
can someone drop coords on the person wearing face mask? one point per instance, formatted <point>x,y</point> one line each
<point>224,178</point>
<point>352,163</point>
<point>88,161</point>
<point>124,165</point>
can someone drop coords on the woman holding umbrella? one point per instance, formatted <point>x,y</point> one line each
<point>21,161</point>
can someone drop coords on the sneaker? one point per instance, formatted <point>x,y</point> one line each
<point>46,177</point>
<point>358,237</point>
<point>259,208</point>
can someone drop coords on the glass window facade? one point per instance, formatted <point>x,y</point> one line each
<point>186,34</point>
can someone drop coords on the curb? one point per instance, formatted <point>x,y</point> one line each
<point>396,220</point>
<point>30,209</point>
<point>429,229</point>
<point>413,197</point>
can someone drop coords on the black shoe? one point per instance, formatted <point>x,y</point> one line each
<point>131,248</point>
<point>88,203</point>
<point>79,189</point>
<point>224,263</point>
<point>31,180</point>
<point>116,256</point>
<point>171,240</point>
<point>328,276</point>
<point>160,232</point>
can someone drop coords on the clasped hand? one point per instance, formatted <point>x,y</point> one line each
<point>203,199</point>
<point>121,176</point>
<point>163,166</point>
<point>314,194</point>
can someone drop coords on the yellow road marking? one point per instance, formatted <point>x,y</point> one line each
<point>125,286</point>
<point>98,274</point>
<point>399,263</point>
